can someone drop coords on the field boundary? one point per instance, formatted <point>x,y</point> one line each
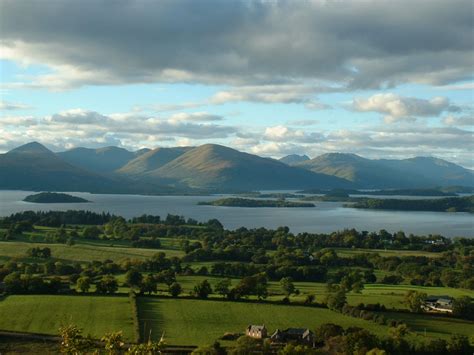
<point>136,322</point>
<point>28,335</point>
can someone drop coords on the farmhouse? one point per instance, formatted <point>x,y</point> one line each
<point>256,331</point>
<point>443,304</point>
<point>299,335</point>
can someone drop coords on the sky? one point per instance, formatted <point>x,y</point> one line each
<point>381,78</point>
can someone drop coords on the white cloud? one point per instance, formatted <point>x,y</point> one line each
<point>282,133</point>
<point>13,106</point>
<point>303,122</point>
<point>398,108</point>
<point>270,94</point>
<point>194,117</point>
<point>82,127</point>
<point>458,120</point>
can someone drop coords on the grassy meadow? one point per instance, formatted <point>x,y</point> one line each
<point>198,322</point>
<point>82,252</point>
<point>46,313</point>
<point>392,296</point>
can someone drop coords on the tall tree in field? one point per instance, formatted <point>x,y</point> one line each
<point>83,283</point>
<point>203,289</point>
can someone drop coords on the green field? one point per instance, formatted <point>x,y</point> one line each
<point>442,327</point>
<point>45,314</point>
<point>392,296</point>
<point>345,252</point>
<point>82,252</point>
<point>198,322</point>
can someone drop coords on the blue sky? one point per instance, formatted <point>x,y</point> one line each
<point>375,78</point>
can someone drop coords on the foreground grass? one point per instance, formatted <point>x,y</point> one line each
<point>198,322</point>
<point>45,314</point>
<point>81,252</point>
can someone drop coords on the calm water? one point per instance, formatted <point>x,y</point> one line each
<point>325,217</point>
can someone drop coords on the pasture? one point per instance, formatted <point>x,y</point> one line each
<point>81,252</point>
<point>392,296</point>
<point>46,314</point>
<point>200,322</point>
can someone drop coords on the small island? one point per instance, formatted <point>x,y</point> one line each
<point>53,197</point>
<point>435,192</point>
<point>246,202</point>
<point>451,204</point>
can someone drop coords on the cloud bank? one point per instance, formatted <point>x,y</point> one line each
<point>327,44</point>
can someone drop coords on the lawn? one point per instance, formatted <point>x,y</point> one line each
<point>82,252</point>
<point>199,322</point>
<point>45,314</point>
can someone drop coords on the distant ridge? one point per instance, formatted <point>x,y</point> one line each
<point>406,173</point>
<point>151,160</point>
<point>293,159</point>
<point>33,166</point>
<point>219,167</point>
<point>102,160</point>
<point>214,168</point>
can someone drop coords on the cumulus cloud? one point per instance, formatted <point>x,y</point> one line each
<point>194,117</point>
<point>13,106</point>
<point>458,120</point>
<point>398,108</point>
<point>282,133</point>
<point>375,142</point>
<point>80,127</point>
<point>83,127</point>
<point>354,44</point>
<point>303,122</point>
<point>270,94</point>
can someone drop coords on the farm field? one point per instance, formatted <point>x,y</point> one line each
<point>45,314</point>
<point>345,252</point>
<point>391,296</point>
<point>81,252</point>
<point>440,326</point>
<point>200,322</point>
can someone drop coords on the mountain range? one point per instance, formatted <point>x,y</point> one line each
<point>213,168</point>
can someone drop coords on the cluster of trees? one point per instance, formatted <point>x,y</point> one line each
<point>74,342</point>
<point>246,202</point>
<point>57,218</point>
<point>38,252</point>
<point>450,204</point>
<point>256,285</point>
<point>17,283</point>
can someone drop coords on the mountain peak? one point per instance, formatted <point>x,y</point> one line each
<point>294,159</point>
<point>31,148</point>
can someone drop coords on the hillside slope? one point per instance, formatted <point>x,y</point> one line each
<point>34,167</point>
<point>294,159</point>
<point>407,173</point>
<point>102,160</point>
<point>217,167</point>
<point>151,160</point>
